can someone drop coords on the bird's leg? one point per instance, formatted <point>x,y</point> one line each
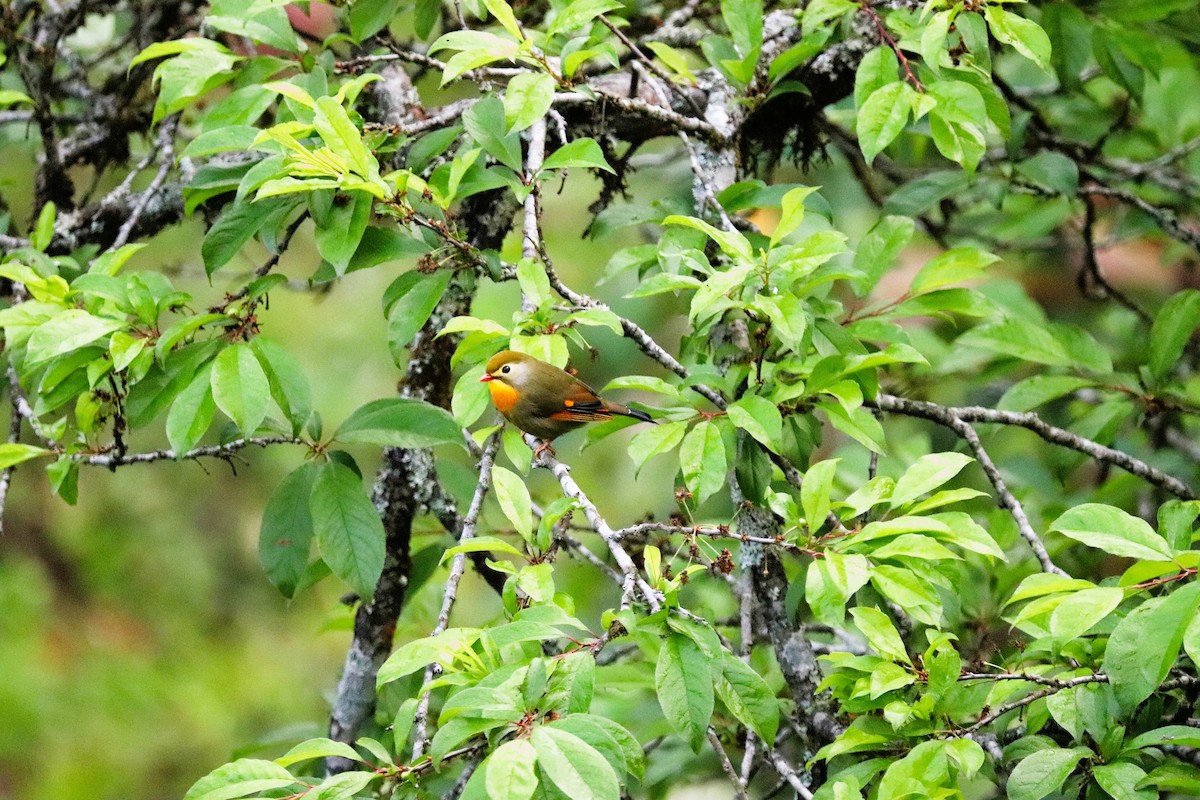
<point>543,449</point>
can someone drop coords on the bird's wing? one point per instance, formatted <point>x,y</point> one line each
<point>581,405</point>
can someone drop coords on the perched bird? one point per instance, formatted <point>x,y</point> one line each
<point>543,400</point>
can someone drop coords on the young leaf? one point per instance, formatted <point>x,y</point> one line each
<point>511,773</point>
<point>527,99</point>
<point>513,497</point>
<point>881,633</point>
<point>759,417</point>
<point>928,473</point>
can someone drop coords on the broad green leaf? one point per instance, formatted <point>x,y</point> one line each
<point>702,459</point>
<point>1173,326</point>
<point>1112,530</point>
<point>484,123</point>
<point>1036,390</point>
<point>480,544</point>
<point>883,116</point>
<point>578,770</point>
<point>240,387</point>
<point>1122,779</point>
<point>1023,35</point>
<point>684,684</point>
<point>408,302</point>
<point>1043,772</point>
<point>369,17</point>
<point>514,500</point>
<point>343,138</point>
<point>349,532</point>
<point>67,331</point>
<point>578,13</point>
<point>1076,615</point>
<point>342,786</point>
<point>287,528</point>
<point>831,581</point>
<point>928,473</point>
<point>400,422</point>
<point>732,243</point>
<point>527,99</point>
<point>289,386</point>
<point>317,748</point>
<point>1143,646</point>
<point>880,248</point>
<point>747,696</point>
<point>815,492</point>
<point>759,417</point>
<point>653,440</point>
<point>510,771</point>
<point>13,453</point>
<point>911,592</point>
<point>191,414</point>
<point>340,230</point>
<point>957,265</point>
<point>1184,735</point>
<point>240,778</point>
<point>878,68</point>
<point>582,152</point>
<point>880,633</point>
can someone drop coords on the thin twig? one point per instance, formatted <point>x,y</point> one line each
<point>788,773</point>
<point>450,593</point>
<point>739,789</point>
<point>1031,421</point>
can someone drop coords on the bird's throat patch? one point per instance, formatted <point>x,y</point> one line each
<point>504,397</point>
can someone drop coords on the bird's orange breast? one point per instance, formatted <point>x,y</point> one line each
<point>504,397</point>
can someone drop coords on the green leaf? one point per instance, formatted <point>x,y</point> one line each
<point>1184,735</point>
<point>485,124</point>
<point>480,544</point>
<point>1023,35</point>
<point>583,152</point>
<point>747,696</point>
<point>289,387</point>
<point>343,138</point>
<point>67,331</point>
<point>1080,612</point>
<point>1143,646</point>
<point>514,500</point>
<point>702,459</point>
<point>369,17</point>
<point>400,422</point>
<point>883,116</point>
<point>878,68</point>
<point>1043,772</point>
<point>1173,326</point>
<point>653,440</point>
<point>1121,780</point>
<point>237,225</point>
<point>510,771</point>
<point>240,387</point>
<point>684,684</point>
<point>815,492</point>
<point>880,248</point>
<point>732,243</point>
<point>956,265</point>
<point>13,453</point>
<point>408,303</point>
<point>192,413</point>
<point>881,633</point>
<point>340,230</point>
<point>286,532</point>
<point>349,532</point>
<point>527,99</point>
<point>578,770</point>
<point>341,786</point>
<point>579,13</point>
<point>317,748</point>
<point>240,778</point>
<point>1037,390</point>
<point>928,473</point>
<point>759,417</point>
<point>1113,531</point>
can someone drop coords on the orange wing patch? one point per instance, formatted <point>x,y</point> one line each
<point>504,397</point>
<point>582,415</point>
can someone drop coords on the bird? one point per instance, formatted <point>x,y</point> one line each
<point>545,401</point>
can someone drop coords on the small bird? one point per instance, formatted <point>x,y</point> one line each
<point>543,400</point>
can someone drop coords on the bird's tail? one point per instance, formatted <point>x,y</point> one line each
<point>626,411</point>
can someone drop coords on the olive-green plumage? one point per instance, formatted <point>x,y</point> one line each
<point>541,399</point>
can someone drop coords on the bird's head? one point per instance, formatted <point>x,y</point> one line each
<point>509,367</point>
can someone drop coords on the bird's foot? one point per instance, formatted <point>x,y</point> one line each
<point>543,450</point>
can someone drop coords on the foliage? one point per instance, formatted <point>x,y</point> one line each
<point>843,602</point>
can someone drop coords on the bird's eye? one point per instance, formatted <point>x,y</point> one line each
<point>506,368</point>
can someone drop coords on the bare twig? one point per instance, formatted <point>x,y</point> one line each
<point>789,774</point>
<point>739,788</point>
<point>450,593</point>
